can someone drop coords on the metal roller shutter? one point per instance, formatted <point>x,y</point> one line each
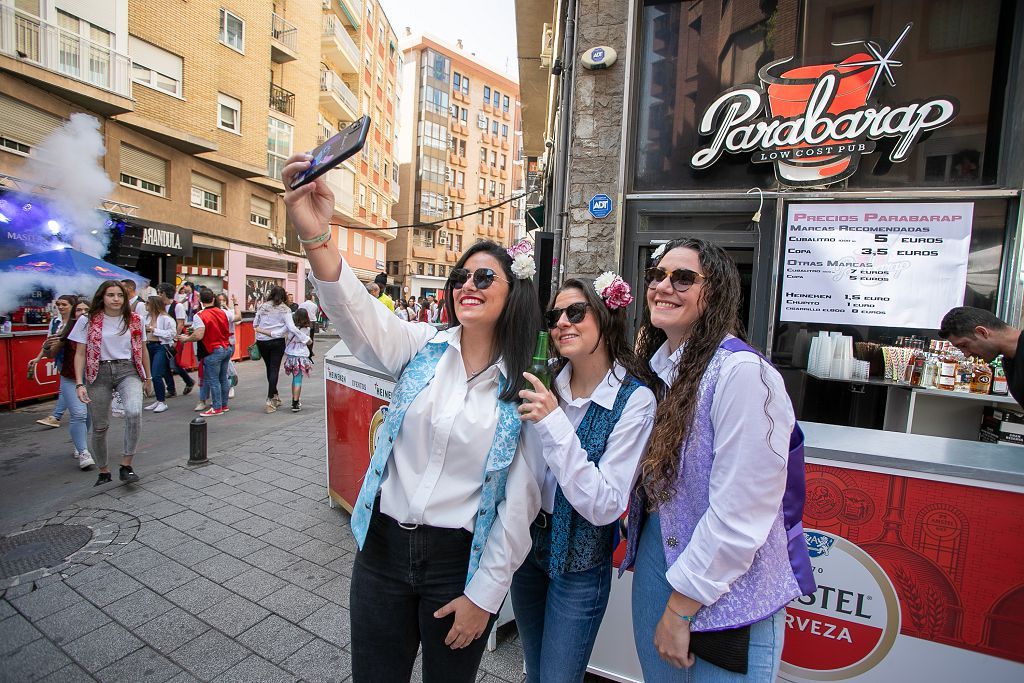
<point>261,207</point>
<point>209,184</point>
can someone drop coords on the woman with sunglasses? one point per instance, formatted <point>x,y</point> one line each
<point>592,427</point>
<point>442,519</point>
<point>706,526</point>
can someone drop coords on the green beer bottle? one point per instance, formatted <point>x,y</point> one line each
<point>539,366</point>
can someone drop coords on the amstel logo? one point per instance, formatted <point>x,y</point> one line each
<point>850,623</point>
<point>375,422</point>
<point>815,120</point>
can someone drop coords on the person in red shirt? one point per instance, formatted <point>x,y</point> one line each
<point>212,329</point>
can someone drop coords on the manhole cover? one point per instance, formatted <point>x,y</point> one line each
<point>40,548</point>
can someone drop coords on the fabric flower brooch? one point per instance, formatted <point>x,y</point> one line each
<point>523,265</point>
<point>613,290</point>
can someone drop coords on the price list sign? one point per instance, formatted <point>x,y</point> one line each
<point>888,265</point>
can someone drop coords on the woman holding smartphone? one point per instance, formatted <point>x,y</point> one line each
<point>65,303</point>
<point>111,356</point>
<point>593,427</point>
<point>707,528</point>
<point>443,516</point>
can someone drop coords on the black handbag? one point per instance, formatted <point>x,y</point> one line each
<point>728,648</point>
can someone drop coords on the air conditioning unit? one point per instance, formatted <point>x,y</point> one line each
<point>442,237</point>
<point>547,46</point>
<point>481,121</point>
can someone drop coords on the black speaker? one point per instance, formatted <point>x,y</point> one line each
<point>123,249</point>
<point>543,255</point>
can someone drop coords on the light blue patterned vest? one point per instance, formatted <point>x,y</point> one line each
<point>414,379</point>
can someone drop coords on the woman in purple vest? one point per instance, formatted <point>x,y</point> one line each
<point>591,429</point>
<point>707,532</point>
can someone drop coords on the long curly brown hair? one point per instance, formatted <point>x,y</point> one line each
<point>720,297</point>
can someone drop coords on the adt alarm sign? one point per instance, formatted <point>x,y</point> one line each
<point>600,206</point>
<point>597,54</point>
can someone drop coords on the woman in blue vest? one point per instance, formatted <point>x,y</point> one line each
<point>707,528</point>
<point>442,519</point>
<point>591,429</point>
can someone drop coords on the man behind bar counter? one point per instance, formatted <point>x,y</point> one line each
<point>978,332</point>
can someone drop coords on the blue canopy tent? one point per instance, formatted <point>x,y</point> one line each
<point>67,262</point>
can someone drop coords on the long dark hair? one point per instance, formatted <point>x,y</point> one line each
<point>613,328</point>
<point>277,295</point>
<point>96,307</point>
<point>520,319</point>
<point>70,324</point>
<point>720,295</point>
<point>301,318</point>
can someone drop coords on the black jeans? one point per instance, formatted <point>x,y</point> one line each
<point>272,352</point>
<point>401,577</point>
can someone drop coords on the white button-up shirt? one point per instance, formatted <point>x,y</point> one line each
<point>599,492</point>
<point>753,419</point>
<point>435,474</point>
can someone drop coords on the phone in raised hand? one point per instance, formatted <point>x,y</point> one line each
<point>339,147</point>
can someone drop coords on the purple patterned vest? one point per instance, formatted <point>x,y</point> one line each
<point>781,568</point>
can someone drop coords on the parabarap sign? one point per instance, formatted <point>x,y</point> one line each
<point>821,117</point>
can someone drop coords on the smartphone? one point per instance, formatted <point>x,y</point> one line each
<point>340,147</point>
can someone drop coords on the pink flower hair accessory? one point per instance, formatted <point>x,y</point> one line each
<point>613,290</point>
<point>523,266</point>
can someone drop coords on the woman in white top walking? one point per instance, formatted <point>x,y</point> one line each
<point>443,516</point>
<point>296,355</point>
<point>160,333</point>
<point>110,357</point>
<point>64,304</point>
<point>273,320</point>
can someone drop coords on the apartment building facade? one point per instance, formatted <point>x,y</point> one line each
<point>461,162</point>
<point>199,105</point>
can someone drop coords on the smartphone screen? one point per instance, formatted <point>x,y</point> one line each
<point>339,147</point>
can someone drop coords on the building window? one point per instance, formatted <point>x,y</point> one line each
<point>494,187</point>
<point>232,31</point>
<point>143,171</point>
<point>501,189</point>
<point>465,84</point>
<point>482,185</point>
<point>455,112</point>
<point>494,127</point>
<point>357,243</point>
<point>497,99</point>
<point>362,196</point>
<point>206,193</point>
<point>456,81</point>
<point>430,269</point>
<point>483,156</point>
<point>229,113</point>
<point>260,211</point>
<point>494,158</point>
<point>373,202</point>
<point>154,67</point>
<point>504,160</point>
<point>442,271</point>
<point>487,94</point>
<point>501,220</point>
<point>490,219</point>
<point>279,145</point>
<point>343,238</point>
<point>504,103</point>
<point>419,268</point>
<point>460,179</point>
<point>380,251</point>
<point>458,243</point>
<point>504,130</point>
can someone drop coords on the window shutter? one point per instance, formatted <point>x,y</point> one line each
<point>209,184</point>
<point>261,207</point>
<point>24,123</point>
<point>142,165</point>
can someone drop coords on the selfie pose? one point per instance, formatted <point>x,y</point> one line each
<point>111,356</point>
<point>707,528</point>
<point>592,426</point>
<point>442,519</point>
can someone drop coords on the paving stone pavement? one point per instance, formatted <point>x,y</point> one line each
<point>234,571</point>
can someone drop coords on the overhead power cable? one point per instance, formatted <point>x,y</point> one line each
<point>431,224</point>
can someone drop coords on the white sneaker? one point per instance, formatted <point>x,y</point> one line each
<point>231,392</point>
<point>159,407</point>
<point>201,406</point>
<point>85,460</point>
<point>152,406</point>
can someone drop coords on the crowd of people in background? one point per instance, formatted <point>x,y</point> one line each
<point>122,344</point>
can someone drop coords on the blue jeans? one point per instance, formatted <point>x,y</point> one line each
<point>558,617</point>
<point>158,368</point>
<point>215,377</point>
<point>80,423</point>
<point>651,591</point>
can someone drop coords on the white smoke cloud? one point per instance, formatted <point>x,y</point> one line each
<point>17,286</point>
<point>69,163</point>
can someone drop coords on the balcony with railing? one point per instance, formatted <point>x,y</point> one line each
<point>282,100</point>
<point>284,44</point>
<point>336,97</point>
<point>28,39</point>
<point>338,45</point>
<point>347,10</point>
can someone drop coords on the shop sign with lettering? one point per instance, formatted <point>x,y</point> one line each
<point>166,238</point>
<point>814,120</point>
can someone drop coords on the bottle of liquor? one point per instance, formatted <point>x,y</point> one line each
<point>999,386</point>
<point>539,366</point>
<point>981,380</point>
<point>946,379</point>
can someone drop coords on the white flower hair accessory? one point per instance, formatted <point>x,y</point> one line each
<point>613,290</point>
<point>523,265</point>
<point>659,252</point>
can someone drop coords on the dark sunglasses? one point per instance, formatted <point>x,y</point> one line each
<point>482,277</point>
<point>574,313</point>
<point>682,278</point>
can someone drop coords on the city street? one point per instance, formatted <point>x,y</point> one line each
<point>234,571</point>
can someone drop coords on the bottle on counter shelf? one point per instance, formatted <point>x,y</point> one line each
<point>981,380</point>
<point>946,379</point>
<point>964,375</point>
<point>999,386</point>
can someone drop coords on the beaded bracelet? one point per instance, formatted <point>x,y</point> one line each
<point>319,239</point>
<point>683,617</point>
